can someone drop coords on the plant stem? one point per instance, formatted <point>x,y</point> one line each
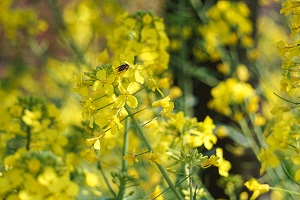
<point>67,39</point>
<point>28,131</point>
<point>149,147</point>
<point>284,190</point>
<point>124,163</point>
<point>190,182</point>
<point>248,134</point>
<point>105,179</point>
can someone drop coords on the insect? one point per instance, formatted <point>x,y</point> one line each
<point>123,67</point>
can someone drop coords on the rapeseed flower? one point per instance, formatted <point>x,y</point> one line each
<point>105,81</point>
<point>267,158</point>
<point>127,95</point>
<point>154,158</point>
<point>131,157</point>
<point>257,188</point>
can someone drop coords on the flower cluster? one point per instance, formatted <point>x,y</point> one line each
<point>16,19</point>
<point>35,126</point>
<point>36,175</point>
<point>228,24</point>
<point>233,97</point>
<point>132,86</point>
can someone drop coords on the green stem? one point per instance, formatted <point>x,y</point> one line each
<point>179,183</point>
<point>149,121</point>
<point>248,134</point>
<point>255,148</point>
<point>136,112</point>
<point>296,103</point>
<point>105,179</point>
<point>124,163</point>
<point>208,196</point>
<point>61,26</point>
<point>28,137</point>
<point>190,182</point>
<point>125,146</point>
<point>137,155</point>
<point>284,190</point>
<point>149,147</point>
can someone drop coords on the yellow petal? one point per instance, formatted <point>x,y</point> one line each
<point>133,87</point>
<point>101,74</point>
<point>132,102</point>
<point>120,101</point>
<point>97,145</point>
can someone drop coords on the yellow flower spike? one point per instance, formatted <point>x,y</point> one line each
<point>154,158</point>
<point>256,187</point>
<point>131,157</point>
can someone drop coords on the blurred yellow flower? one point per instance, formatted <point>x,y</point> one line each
<point>154,158</point>
<point>131,157</point>
<point>256,187</point>
<point>155,193</point>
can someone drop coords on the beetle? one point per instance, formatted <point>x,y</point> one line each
<point>122,68</point>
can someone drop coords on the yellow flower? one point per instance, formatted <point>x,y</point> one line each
<point>167,107</point>
<point>126,95</point>
<point>206,127</point>
<point>34,165</point>
<point>212,160</point>
<point>131,157</point>
<point>153,85</point>
<point>91,179</point>
<point>259,120</point>
<point>32,118</point>
<point>147,19</point>
<point>107,120</point>
<point>79,88</point>
<point>258,189</point>
<point>242,73</point>
<point>50,179</point>
<point>105,81</point>
<point>224,165</point>
<point>267,158</point>
<point>154,158</point>
<point>175,92</point>
<point>95,140</point>
<point>155,193</point>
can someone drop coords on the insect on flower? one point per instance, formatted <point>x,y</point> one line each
<point>122,68</point>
